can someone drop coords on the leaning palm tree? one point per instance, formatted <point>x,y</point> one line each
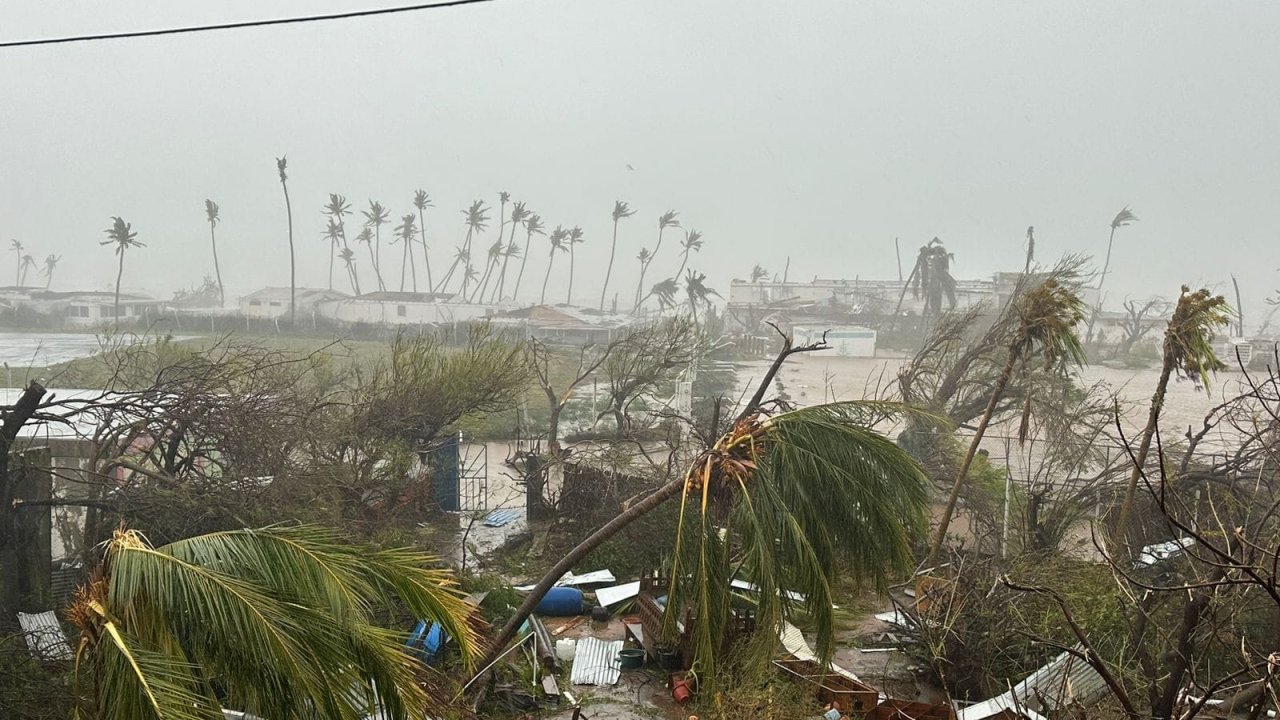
<point>407,233</point>
<point>282,164</point>
<point>121,237</point>
<point>332,233</point>
<point>282,622</point>
<point>665,220</point>
<point>476,219</point>
<point>692,242</point>
<point>532,226</point>
<point>758,273</point>
<point>337,209</point>
<point>348,257</point>
<point>211,212</point>
<point>1046,318</point>
<point>573,239</point>
<point>491,261</point>
<point>376,216</point>
<point>781,501</point>
<point>931,279</point>
<point>665,293</point>
<point>1187,353</point>
<point>28,262</point>
<point>645,257</point>
<point>365,236</point>
<point>518,217</point>
<point>559,243</point>
<point>17,248</point>
<point>50,264</point>
<point>421,201</point>
<point>620,210</point>
<point>1122,218</point>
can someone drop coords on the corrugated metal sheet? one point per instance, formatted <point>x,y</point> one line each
<point>793,642</point>
<point>596,662</point>
<point>1064,682</point>
<point>44,636</point>
<point>501,517</point>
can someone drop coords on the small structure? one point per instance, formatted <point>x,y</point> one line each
<point>403,308</point>
<point>563,323</point>
<point>273,302</point>
<point>87,309</point>
<point>1066,681</point>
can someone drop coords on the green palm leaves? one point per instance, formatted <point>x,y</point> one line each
<point>782,501</point>
<point>282,620</point>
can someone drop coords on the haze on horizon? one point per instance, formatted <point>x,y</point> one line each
<point>818,131</point>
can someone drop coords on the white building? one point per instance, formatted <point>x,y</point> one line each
<point>273,302</point>
<point>403,308</point>
<point>91,309</point>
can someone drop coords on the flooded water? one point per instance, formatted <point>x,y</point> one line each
<point>29,349</point>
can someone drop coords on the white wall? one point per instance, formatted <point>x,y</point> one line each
<point>390,312</point>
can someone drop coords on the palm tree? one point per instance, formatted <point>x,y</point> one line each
<point>1188,354</point>
<point>781,501</point>
<point>558,239</point>
<point>644,256</point>
<point>930,278</point>
<point>491,261</point>
<point>332,233</point>
<point>283,622</point>
<point>211,211</point>
<point>407,232</point>
<point>50,264</point>
<point>518,216</point>
<point>692,242</point>
<point>349,261</point>
<point>281,167</point>
<point>376,216</point>
<point>365,236</point>
<point>696,291</point>
<point>574,238</point>
<point>665,220</point>
<point>28,262</point>
<point>758,273</point>
<point>122,237</point>
<point>620,210</point>
<point>665,292</point>
<point>16,247</point>
<point>476,219</point>
<point>1047,315</point>
<point>1122,218</point>
<point>504,197</point>
<point>532,226</point>
<point>422,200</point>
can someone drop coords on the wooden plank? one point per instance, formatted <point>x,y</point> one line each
<point>549,685</point>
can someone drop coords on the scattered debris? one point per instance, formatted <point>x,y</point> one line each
<point>44,636</point>
<point>607,596</point>
<point>596,662</point>
<point>501,517</point>
<point>1159,552</point>
<point>1066,681</point>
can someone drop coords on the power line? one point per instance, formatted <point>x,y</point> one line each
<point>244,24</point>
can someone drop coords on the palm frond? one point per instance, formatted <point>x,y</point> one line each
<point>1189,337</point>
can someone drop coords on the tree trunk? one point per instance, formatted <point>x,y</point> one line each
<point>947,512</point>
<point>426,257</point>
<point>377,255</point>
<point>550,262</point>
<point>613,249</point>
<point>528,240</point>
<point>1144,447</point>
<point>903,296</point>
<point>293,270</point>
<point>584,548</point>
<point>217,269</point>
<point>119,275</point>
<point>12,547</point>
<point>569,298</point>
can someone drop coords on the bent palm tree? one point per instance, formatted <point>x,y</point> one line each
<point>558,239</point>
<point>421,200</point>
<point>16,247</point>
<point>620,210</point>
<point>532,226</point>
<point>282,164</point>
<point>645,257</point>
<point>665,220</point>
<point>365,236</point>
<point>794,493</point>
<point>121,237</point>
<point>696,291</point>
<point>477,218</point>
<point>491,261</point>
<point>211,212</point>
<point>348,257</point>
<point>280,623</point>
<point>28,262</point>
<point>407,233</point>
<point>518,217</point>
<point>692,242</point>
<point>573,239</point>
<point>1122,218</point>
<point>337,208</point>
<point>332,233</point>
<point>50,264</point>
<point>665,293</point>
<point>376,216</point>
<point>1047,315</point>
<point>931,279</point>
<point>1188,353</point>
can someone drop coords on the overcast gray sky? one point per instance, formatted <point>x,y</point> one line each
<point>819,130</point>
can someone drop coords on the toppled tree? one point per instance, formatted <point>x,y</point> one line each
<point>791,492</point>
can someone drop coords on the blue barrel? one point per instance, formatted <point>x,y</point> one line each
<point>560,601</point>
